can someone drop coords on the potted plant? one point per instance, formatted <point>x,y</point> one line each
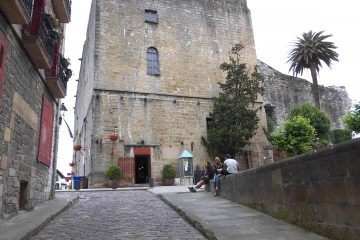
<point>114,174</point>
<point>169,173</point>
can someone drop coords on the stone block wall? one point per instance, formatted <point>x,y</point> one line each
<point>169,123</point>
<point>318,190</point>
<point>167,112</point>
<point>20,114</point>
<point>192,38</point>
<point>282,92</point>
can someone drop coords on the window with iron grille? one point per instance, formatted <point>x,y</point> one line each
<point>152,61</point>
<point>2,62</point>
<point>151,16</point>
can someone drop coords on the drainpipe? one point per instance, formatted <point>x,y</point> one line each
<point>55,151</point>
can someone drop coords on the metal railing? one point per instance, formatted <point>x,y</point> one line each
<point>47,41</point>
<point>28,6</point>
<point>58,71</point>
<point>37,28</point>
<point>68,6</point>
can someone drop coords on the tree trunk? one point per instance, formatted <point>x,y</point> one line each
<point>315,87</point>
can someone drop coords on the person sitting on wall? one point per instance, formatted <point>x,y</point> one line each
<point>220,171</point>
<point>206,176</point>
<point>232,166</point>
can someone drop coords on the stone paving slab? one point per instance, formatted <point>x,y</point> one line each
<point>223,219</point>
<point>111,215</point>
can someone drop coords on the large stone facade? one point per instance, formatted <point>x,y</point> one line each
<point>157,116</point>
<point>282,92</point>
<point>24,180</point>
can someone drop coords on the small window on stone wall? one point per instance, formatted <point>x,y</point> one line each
<point>151,16</point>
<point>209,122</point>
<point>23,194</point>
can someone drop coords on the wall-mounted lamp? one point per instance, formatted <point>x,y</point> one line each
<point>63,109</point>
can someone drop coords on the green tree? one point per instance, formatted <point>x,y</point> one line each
<point>296,137</point>
<point>318,119</point>
<point>308,53</point>
<point>114,173</point>
<point>233,122</point>
<point>352,118</point>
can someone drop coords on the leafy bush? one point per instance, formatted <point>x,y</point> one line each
<point>340,135</point>
<point>295,137</point>
<point>352,119</point>
<point>114,173</point>
<point>169,171</point>
<point>318,119</point>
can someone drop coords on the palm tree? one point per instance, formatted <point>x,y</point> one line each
<point>308,52</point>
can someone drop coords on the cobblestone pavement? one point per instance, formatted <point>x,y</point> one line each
<point>118,215</point>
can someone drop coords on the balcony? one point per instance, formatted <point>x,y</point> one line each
<point>62,9</point>
<point>57,78</point>
<point>17,11</point>
<point>38,44</point>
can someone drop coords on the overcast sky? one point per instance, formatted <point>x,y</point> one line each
<point>276,25</point>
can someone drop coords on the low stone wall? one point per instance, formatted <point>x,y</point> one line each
<point>318,191</point>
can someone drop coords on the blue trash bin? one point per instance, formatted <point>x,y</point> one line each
<point>77,182</point>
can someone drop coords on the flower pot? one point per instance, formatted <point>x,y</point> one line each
<point>168,182</point>
<point>115,184</point>
<point>77,147</point>
<point>113,137</point>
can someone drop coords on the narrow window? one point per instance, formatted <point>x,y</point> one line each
<point>2,62</point>
<point>209,123</point>
<point>151,16</point>
<point>152,61</point>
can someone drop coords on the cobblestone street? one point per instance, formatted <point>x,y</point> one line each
<point>118,215</point>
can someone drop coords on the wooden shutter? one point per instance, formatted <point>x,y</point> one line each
<point>2,62</point>
<point>46,132</point>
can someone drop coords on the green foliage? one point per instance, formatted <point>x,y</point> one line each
<point>318,119</point>
<point>311,50</point>
<point>352,118</point>
<point>296,137</point>
<point>169,171</point>
<point>233,122</point>
<point>308,53</point>
<point>114,173</point>
<point>340,135</point>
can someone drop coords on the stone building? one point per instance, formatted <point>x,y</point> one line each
<point>149,71</point>
<point>282,92</point>
<point>32,81</point>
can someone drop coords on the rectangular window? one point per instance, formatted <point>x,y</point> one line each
<point>209,123</point>
<point>2,62</point>
<point>151,16</point>
<point>46,132</point>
